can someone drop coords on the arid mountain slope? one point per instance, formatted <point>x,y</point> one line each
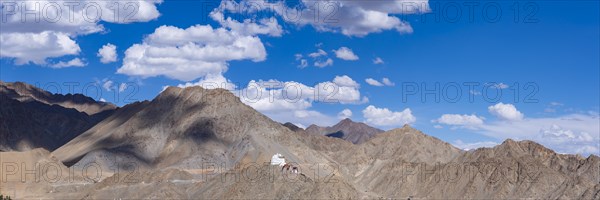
<point>27,174</point>
<point>421,167</point>
<point>28,121</point>
<point>185,128</point>
<point>195,143</point>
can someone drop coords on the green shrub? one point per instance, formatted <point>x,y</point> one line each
<point>2,197</point>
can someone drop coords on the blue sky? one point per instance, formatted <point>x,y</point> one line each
<point>548,53</point>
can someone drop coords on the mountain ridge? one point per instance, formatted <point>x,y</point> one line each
<point>180,126</point>
<point>29,121</point>
<point>25,92</point>
<point>171,137</point>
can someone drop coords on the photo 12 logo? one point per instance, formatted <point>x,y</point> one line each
<point>68,11</point>
<point>332,12</point>
<point>299,12</point>
<point>481,11</point>
<point>456,172</point>
<point>453,92</point>
<point>105,90</point>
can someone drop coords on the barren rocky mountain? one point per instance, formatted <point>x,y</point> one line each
<point>355,132</point>
<point>185,128</point>
<point>31,118</point>
<point>525,169</point>
<point>424,167</point>
<point>195,143</point>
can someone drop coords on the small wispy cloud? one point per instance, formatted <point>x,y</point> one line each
<point>76,62</point>
<point>378,61</point>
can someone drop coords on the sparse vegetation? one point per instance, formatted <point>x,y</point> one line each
<point>2,197</point>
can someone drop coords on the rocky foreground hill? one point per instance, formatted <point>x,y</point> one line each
<point>195,143</point>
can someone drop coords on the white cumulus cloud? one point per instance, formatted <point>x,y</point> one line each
<point>505,112</point>
<point>292,101</point>
<point>352,18</point>
<point>36,47</point>
<point>342,90</point>
<point>27,40</point>
<point>107,53</point>
<point>266,26</point>
<point>346,113</point>
<point>345,81</point>
<point>387,118</point>
<point>191,53</point>
<point>345,53</point>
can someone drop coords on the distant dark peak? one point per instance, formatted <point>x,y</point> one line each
<point>338,134</point>
<point>292,127</point>
<point>346,129</point>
